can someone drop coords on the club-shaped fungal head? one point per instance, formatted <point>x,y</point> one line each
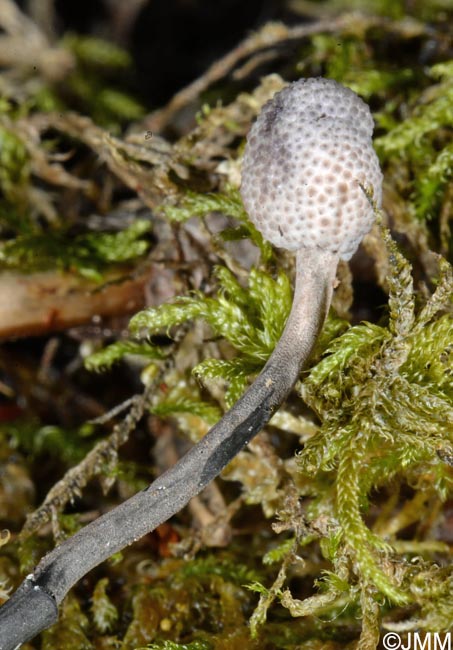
<point>307,159</point>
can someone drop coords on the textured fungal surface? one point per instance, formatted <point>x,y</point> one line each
<point>308,156</point>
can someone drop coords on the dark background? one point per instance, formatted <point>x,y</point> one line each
<point>171,41</point>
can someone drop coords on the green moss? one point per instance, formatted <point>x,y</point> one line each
<point>89,254</point>
<point>14,164</point>
<point>96,52</point>
<point>200,205</point>
<point>92,83</point>
<point>348,58</point>
<point>251,319</point>
<point>104,612</point>
<point>70,631</point>
<point>106,358</point>
<point>380,405</point>
<point>423,140</point>
<point>171,645</point>
<point>37,439</point>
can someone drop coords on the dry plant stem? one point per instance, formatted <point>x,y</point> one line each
<point>34,605</point>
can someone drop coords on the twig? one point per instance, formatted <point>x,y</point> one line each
<point>49,301</point>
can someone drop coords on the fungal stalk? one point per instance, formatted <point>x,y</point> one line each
<point>307,158</point>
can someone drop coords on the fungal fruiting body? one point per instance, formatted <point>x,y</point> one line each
<point>308,157</point>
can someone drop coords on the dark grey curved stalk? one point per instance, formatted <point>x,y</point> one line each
<point>34,605</point>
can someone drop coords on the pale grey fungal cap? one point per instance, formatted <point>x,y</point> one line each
<point>307,156</point>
